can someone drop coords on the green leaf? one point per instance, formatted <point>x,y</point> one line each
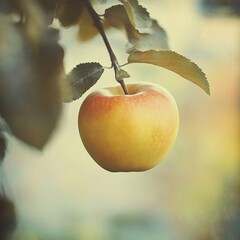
<point>101,5</point>
<point>117,17</point>
<point>30,100</point>
<point>173,62</point>
<point>154,38</point>
<point>80,79</point>
<point>8,218</point>
<point>69,11</point>
<point>2,146</point>
<point>121,74</point>
<point>138,15</point>
<point>49,7</point>
<point>87,30</point>
<point>100,1</point>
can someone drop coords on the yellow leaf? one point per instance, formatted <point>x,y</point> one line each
<point>173,62</point>
<point>138,15</point>
<point>86,27</point>
<point>154,38</point>
<point>87,30</point>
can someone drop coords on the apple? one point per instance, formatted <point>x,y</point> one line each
<point>131,132</point>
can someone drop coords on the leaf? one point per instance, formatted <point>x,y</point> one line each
<point>80,79</point>
<point>117,17</point>
<point>10,6</point>
<point>30,100</point>
<point>105,2</point>
<point>35,21</point>
<point>87,30</point>
<point>2,146</point>
<point>100,1</point>
<point>45,8</point>
<point>173,62</point>
<point>49,7</point>
<point>138,15</point>
<point>8,218</point>
<point>155,38</point>
<point>3,141</point>
<point>121,74</point>
<point>69,11</point>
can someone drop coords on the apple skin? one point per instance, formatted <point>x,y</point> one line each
<point>133,132</point>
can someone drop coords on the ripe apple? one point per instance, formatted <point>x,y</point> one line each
<point>131,132</point>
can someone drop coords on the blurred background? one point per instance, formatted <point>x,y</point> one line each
<point>193,194</point>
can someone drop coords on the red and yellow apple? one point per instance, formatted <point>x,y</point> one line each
<point>131,132</point>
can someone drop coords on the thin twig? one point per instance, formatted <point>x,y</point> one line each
<point>98,24</point>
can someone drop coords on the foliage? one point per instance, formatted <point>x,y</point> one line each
<point>174,62</point>
<point>32,81</point>
<point>80,79</point>
<point>2,146</point>
<point>8,220</point>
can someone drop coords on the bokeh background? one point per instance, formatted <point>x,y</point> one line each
<point>194,194</point>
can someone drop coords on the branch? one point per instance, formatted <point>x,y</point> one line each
<point>99,26</point>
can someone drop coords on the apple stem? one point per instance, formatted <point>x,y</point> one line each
<point>98,24</point>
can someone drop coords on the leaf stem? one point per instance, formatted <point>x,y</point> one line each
<point>98,24</point>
